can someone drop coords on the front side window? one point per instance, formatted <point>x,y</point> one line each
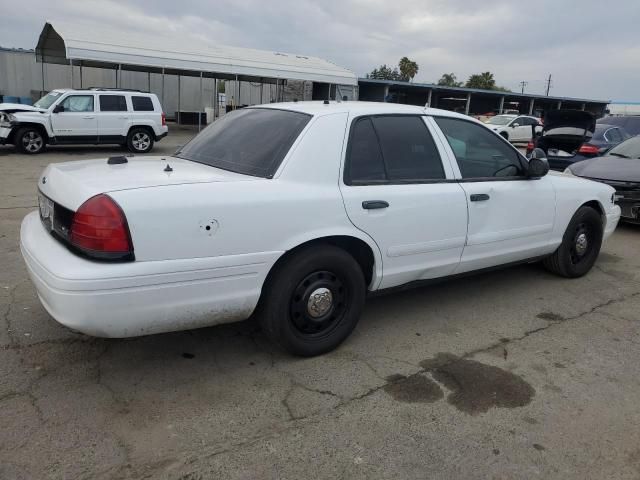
<point>113,103</point>
<point>392,148</point>
<point>479,152</point>
<point>251,141</point>
<point>78,103</point>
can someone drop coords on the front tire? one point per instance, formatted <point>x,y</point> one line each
<point>312,301</point>
<point>580,245</point>
<point>30,140</point>
<point>139,140</point>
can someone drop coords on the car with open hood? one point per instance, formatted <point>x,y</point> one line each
<point>565,137</point>
<point>620,169</point>
<point>298,211</point>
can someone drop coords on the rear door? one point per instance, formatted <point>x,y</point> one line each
<point>511,217</point>
<point>113,118</point>
<point>77,123</point>
<point>397,188</point>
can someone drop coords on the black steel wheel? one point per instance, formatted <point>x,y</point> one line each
<point>580,245</point>
<point>312,301</point>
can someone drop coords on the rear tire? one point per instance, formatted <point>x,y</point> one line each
<point>312,301</point>
<point>580,245</point>
<point>139,140</point>
<point>30,140</point>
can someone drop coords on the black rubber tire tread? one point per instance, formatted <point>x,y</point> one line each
<point>135,130</point>
<point>560,261</point>
<point>18,140</point>
<point>274,314</point>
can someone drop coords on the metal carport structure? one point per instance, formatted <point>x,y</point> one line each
<point>92,46</point>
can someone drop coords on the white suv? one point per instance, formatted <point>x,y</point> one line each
<point>94,116</point>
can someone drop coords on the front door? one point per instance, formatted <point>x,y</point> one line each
<point>77,122</point>
<point>511,217</point>
<point>397,188</point>
<point>521,132</point>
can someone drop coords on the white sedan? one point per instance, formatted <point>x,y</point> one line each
<point>297,211</point>
<point>515,128</point>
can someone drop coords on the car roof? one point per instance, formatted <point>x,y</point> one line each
<point>357,108</point>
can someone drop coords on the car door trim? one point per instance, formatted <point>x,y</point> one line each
<point>425,247</point>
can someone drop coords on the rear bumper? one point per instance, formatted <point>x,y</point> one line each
<point>139,298</point>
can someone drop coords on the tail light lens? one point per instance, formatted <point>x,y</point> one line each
<point>588,149</point>
<point>164,119</point>
<point>99,230</point>
<point>530,146</point>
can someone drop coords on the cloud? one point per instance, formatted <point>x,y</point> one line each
<point>590,47</point>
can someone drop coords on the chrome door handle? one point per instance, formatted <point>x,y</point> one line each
<point>373,204</point>
<point>479,197</point>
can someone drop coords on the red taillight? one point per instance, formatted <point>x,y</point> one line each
<point>99,229</point>
<point>530,146</point>
<point>164,119</point>
<point>588,149</point>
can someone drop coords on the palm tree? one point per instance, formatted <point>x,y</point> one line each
<point>408,69</point>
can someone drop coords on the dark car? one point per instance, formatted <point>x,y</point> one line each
<point>566,137</point>
<point>630,123</point>
<point>620,168</point>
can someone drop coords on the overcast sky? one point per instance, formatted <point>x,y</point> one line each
<point>591,47</point>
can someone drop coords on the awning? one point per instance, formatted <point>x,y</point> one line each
<point>90,46</point>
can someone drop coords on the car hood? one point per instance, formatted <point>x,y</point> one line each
<point>609,168</point>
<point>72,183</point>
<point>18,107</point>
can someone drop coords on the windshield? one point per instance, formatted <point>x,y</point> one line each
<point>46,101</point>
<point>629,148</point>
<point>251,141</point>
<point>500,120</point>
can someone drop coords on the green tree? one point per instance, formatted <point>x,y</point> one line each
<point>408,69</point>
<point>384,73</point>
<point>483,81</point>
<point>449,80</point>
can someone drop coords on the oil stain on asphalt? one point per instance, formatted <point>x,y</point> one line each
<point>474,387</point>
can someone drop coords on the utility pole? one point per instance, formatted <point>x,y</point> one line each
<point>548,84</point>
<point>523,84</point>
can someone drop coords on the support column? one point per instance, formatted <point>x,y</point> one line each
<point>149,82</point>
<point>80,76</point>
<point>559,104</point>
<point>71,65</point>
<point>162,92</point>
<point>385,93</point>
<point>468,105</point>
<point>178,119</point>
<point>429,98</point>
<point>43,77</point>
<point>501,107</point>
<point>200,106</point>
<point>531,102</point>
<point>584,106</point>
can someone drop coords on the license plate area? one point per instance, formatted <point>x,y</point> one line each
<point>46,207</point>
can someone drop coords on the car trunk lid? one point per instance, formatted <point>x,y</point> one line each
<point>565,131</point>
<point>72,183</point>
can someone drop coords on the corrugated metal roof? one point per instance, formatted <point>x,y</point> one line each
<point>476,90</point>
<point>91,44</point>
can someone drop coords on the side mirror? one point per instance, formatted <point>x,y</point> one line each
<point>538,165</point>
<point>514,125</point>
<point>58,109</point>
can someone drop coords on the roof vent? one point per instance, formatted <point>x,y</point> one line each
<point>117,160</point>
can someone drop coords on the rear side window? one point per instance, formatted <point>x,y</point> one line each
<point>392,148</point>
<point>142,104</point>
<point>113,103</point>
<point>251,141</point>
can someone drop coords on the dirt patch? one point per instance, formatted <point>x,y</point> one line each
<point>476,387</point>
<point>417,388</point>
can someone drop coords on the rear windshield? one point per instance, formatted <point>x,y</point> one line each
<point>251,141</point>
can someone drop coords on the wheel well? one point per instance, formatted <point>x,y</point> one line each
<point>504,135</point>
<point>357,248</point>
<point>14,131</point>
<point>596,206</point>
<point>145,127</point>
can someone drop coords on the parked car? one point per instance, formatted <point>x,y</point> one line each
<point>604,138</point>
<point>566,137</point>
<point>94,116</point>
<point>620,169</point>
<point>515,128</point>
<point>630,123</point>
<point>297,211</point>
